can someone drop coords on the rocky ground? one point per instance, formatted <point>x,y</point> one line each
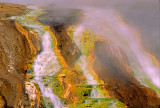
<point>65,44</point>
<point>111,66</point>
<point>19,46</point>
<point>7,10</point>
<point>16,50</point>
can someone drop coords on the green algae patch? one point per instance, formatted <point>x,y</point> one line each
<point>54,41</point>
<point>99,103</point>
<point>70,32</point>
<point>46,102</point>
<point>29,28</point>
<point>87,41</point>
<point>83,91</point>
<point>52,81</point>
<point>58,89</point>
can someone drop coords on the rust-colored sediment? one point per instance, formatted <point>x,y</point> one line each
<point>68,78</point>
<point>67,48</point>
<point>25,33</point>
<point>17,47</point>
<point>57,51</point>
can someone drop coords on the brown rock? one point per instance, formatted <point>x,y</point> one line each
<point>65,44</point>
<point>15,54</point>
<point>69,80</point>
<point>2,102</point>
<point>111,65</point>
<point>70,52</point>
<point>7,10</point>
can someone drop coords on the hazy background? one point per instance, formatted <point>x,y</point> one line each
<point>144,15</point>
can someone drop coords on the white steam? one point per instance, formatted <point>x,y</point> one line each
<point>108,23</point>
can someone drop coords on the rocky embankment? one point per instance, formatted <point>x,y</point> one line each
<point>111,66</point>
<point>18,47</point>
<point>70,52</point>
<point>65,44</point>
<point>7,10</point>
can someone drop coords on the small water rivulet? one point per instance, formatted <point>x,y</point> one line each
<point>84,64</point>
<point>46,63</point>
<point>95,93</point>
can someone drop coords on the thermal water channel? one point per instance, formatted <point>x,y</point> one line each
<point>46,62</point>
<point>83,63</point>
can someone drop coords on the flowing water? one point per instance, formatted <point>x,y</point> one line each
<point>95,93</point>
<point>113,28</point>
<point>46,63</point>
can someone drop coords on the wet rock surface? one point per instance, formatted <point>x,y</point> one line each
<point>65,44</point>
<point>59,19</point>
<point>15,54</point>
<point>18,47</point>
<point>111,66</point>
<point>2,102</point>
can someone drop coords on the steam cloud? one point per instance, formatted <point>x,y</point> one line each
<point>142,14</point>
